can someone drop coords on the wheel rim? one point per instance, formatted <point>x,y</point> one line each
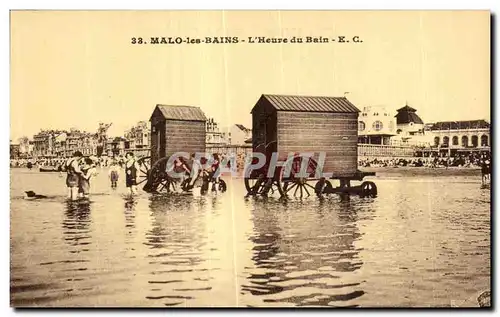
<point>299,186</point>
<point>369,189</point>
<point>267,186</point>
<point>158,178</point>
<point>144,169</point>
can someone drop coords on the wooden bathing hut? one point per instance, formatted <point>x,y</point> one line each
<point>177,129</point>
<point>292,124</point>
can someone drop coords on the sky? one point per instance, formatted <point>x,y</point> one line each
<point>79,68</point>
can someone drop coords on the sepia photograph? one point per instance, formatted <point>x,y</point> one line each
<point>250,159</point>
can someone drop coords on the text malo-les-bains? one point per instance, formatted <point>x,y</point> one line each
<point>250,39</point>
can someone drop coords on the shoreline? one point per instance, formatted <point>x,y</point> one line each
<point>415,171</point>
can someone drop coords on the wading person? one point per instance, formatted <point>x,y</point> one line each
<point>72,175</point>
<point>214,172</point>
<point>114,174</point>
<point>195,171</point>
<point>131,168</point>
<point>86,172</point>
<point>485,170</point>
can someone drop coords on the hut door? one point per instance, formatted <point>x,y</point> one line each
<point>161,140</point>
<point>158,141</point>
<point>268,124</point>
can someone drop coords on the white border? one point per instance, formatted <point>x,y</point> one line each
<point>492,5</point>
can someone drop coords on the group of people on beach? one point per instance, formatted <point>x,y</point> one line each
<point>80,170</point>
<point>465,161</point>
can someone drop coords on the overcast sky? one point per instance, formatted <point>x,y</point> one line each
<point>74,69</point>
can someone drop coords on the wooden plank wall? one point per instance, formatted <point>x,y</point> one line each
<point>185,136</point>
<point>333,133</point>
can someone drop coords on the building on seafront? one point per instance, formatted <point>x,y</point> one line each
<point>15,150</point>
<point>62,143</point>
<point>409,124</point>
<point>455,137</point>
<point>214,136</point>
<point>376,126</point>
<point>239,135</point>
<point>413,137</point>
<point>136,140</point>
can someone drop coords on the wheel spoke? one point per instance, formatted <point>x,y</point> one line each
<point>310,186</point>
<point>305,188</point>
<point>301,186</point>
<point>295,192</point>
<point>289,188</point>
<point>165,183</point>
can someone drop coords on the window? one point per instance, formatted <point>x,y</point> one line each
<point>474,140</point>
<point>446,140</point>
<point>361,126</point>
<point>465,141</point>
<point>436,141</point>
<point>484,140</point>
<point>377,125</point>
<point>454,140</point>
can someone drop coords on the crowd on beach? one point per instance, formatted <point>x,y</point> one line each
<point>58,163</point>
<point>464,161</point>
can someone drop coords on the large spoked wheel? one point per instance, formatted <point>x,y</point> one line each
<point>158,179</point>
<point>368,189</point>
<point>263,186</point>
<point>298,187</point>
<point>295,184</point>
<point>323,187</point>
<point>144,169</point>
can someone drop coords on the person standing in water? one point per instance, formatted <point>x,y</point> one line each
<point>87,171</point>
<point>113,174</point>
<point>72,175</point>
<point>131,168</point>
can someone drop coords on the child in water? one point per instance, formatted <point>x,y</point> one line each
<point>87,171</point>
<point>114,174</point>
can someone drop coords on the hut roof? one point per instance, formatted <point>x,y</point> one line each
<point>310,103</point>
<point>183,113</point>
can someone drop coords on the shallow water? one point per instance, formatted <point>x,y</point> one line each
<point>424,241</point>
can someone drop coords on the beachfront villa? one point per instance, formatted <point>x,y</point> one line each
<point>376,125</point>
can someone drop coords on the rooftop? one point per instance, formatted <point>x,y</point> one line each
<point>407,115</point>
<point>183,113</point>
<point>310,103</point>
<point>242,128</point>
<point>461,125</point>
<point>407,108</point>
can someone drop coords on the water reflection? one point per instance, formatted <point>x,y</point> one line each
<point>130,206</point>
<point>221,250</point>
<point>303,252</point>
<point>176,242</point>
<point>76,226</point>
